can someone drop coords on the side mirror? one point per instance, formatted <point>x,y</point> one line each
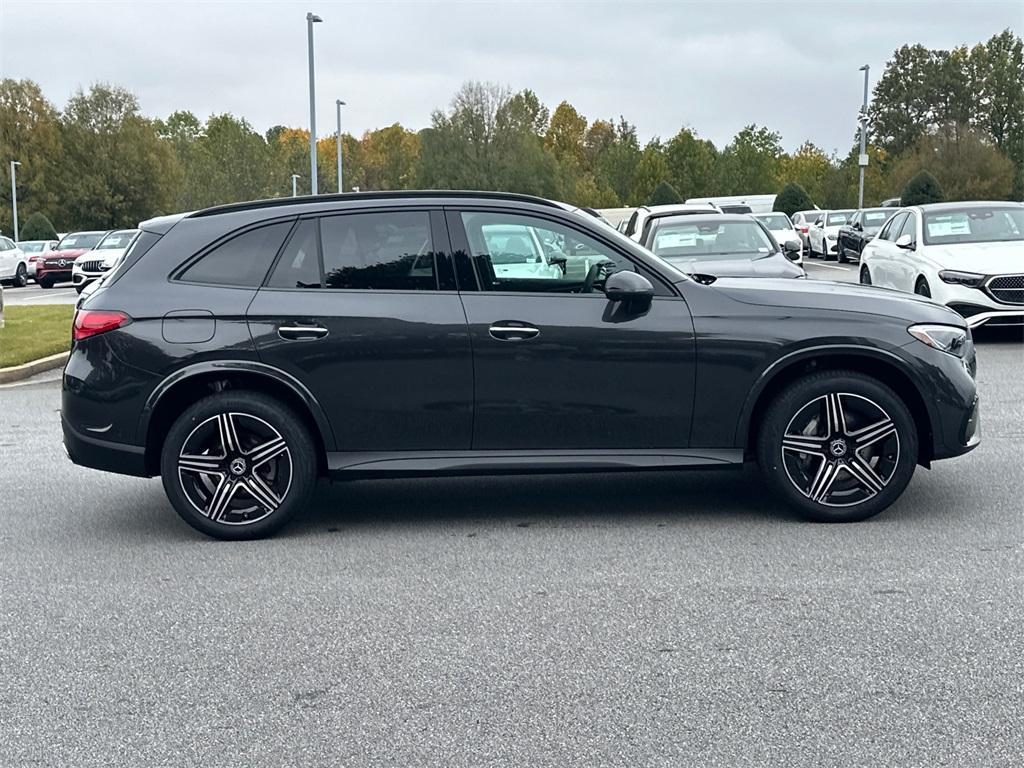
<point>858,226</point>
<point>628,286</point>
<point>792,249</point>
<point>904,242</point>
<point>819,223</point>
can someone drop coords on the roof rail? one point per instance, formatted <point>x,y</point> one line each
<point>387,195</point>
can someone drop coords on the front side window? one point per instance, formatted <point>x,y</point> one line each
<point>511,252</point>
<point>387,251</point>
<point>976,224</point>
<point>909,228</point>
<point>892,227</point>
<point>242,261</point>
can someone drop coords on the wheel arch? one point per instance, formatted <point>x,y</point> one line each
<point>186,386</point>
<point>878,364</point>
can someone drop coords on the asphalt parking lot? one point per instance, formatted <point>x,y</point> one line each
<point>62,293</point>
<point>636,619</point>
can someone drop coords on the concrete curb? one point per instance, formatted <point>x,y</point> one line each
<point>19,372</point>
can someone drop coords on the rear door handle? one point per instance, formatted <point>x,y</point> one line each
<point>301,332</point>
<point>508,332</point>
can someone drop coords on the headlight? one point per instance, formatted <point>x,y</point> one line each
<point>968,279</point>
<point>946,338</point>
<point>832,237</point>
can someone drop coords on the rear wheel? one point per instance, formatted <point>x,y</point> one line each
<point>921,288</point>
<point>238,465</point>
<point>20,277</point>
<point>838,446</point>
<point>841,253</point>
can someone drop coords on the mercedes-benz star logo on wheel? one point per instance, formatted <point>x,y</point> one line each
<point>238,467</point>
<point>838,448</point>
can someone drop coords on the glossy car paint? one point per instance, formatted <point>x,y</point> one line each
<point>412,383</point>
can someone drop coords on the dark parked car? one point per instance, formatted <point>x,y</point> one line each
<point>861,228</point>
<point>243,351</point>
<point>720,245</point>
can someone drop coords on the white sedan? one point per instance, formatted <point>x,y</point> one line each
<point>823,234</point>
<point>968,256</point>
<point>782,230</point>
<point>13,263</point>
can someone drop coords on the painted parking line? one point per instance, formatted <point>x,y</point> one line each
<point>830,266</point>
<point>49,295</point>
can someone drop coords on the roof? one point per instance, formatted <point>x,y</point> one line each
<point>966,204</point>
<point>712,217</point>
<point>679,207</point>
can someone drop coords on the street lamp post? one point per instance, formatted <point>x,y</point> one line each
<point>294,189</point>
<point>340,104</point>
<point>14,197</point>
<point>311,19</point>
<point>862,161</point>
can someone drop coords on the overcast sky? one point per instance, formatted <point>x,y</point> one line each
<point>713,66</point>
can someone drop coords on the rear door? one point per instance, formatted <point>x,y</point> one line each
<point>8,262</point>
<point>556,365</point>
<point>362,308</point>
<point>882,251</point>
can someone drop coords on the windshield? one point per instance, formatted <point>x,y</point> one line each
<point>838,218</point>
<point>116,240</point>
<point>875,219</point>
<point>79,240</point>
<point>31,247</point>
<point>711,240</point>
<point>776,221</point>
<point>977,224</point>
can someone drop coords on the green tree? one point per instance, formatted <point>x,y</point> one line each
<point>922,189</point>
<point>664,194</point>
<point>792,198</point>
<point>650,171</point>
<point>966,163</point>
<point>38,227</point>
<point>750,162</point>
<point>691,164</point>
<point>29,133</point>
<point>809,168</point>
<point>117,170</point>
<point>231,163</point>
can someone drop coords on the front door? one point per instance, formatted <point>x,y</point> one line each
<point>362,308</point>
<point>556,365</point>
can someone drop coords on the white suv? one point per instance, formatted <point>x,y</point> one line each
<point>635,227</point>
<point>92,265</point>
<point>968,256</point>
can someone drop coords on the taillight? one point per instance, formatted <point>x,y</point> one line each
<point>803,228</point>
<point>92,322</point>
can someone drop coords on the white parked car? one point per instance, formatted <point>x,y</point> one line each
<point>92,265</point>
<point>823,234</point>
<point>802,222</point>
<point>518,251</point>
<point>33,250</point>
<point>968,256</point>
<point>783,231</point>
<point>13,263</point>
<point>635,228</point>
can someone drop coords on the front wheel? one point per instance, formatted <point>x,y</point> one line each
<point>45,282</point>
<point>20,277</point>
<point>838,446</point>
<point>238,465</point>
<point>921,288</point>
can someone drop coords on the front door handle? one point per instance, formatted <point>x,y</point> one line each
<point>508,332</point>
<point>301,332</point>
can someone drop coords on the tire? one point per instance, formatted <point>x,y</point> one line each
<point>79,288</point>
<point>840,253</point>
<point>212,491</point>
<point>823,473</point>
<point>865,275</point>
<point>20,277</point>
<point>921,288</point>
<point>45,283</point>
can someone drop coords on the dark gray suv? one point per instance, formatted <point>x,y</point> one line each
<point>244,351</point>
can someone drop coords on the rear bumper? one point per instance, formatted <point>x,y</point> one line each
<point>88,451</point>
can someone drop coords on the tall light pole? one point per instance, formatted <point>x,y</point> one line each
<point>295,192</point>
<point>340,104</point>
<point>14,197</point>
<point>311,19</point>
<point>862,161</point>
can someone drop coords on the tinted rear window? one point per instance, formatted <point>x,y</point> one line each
<point>378,251</point>
<point>242,261</point>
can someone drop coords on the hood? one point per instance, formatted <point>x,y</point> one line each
<point>983,258</point>
<point>769,266</point>
<point>67,253</point>
<point>845,297</point>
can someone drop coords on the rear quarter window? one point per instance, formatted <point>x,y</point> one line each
<point>241,261</point>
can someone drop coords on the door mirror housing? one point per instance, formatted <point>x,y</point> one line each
<point>792,249</point>
<point>858,226</point>
<point>629,287</point>
<point>905,242</point>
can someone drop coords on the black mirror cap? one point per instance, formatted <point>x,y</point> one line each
<point>625,286</point>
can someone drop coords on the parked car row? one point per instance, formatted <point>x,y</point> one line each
<point>79,257</point>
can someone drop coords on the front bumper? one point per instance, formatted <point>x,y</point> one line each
<point>55,275</point>
<point>977,307</point>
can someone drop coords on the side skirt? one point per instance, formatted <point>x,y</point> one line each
<point>350,464</point>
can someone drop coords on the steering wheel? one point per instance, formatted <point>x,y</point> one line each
<point>591,278</point>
